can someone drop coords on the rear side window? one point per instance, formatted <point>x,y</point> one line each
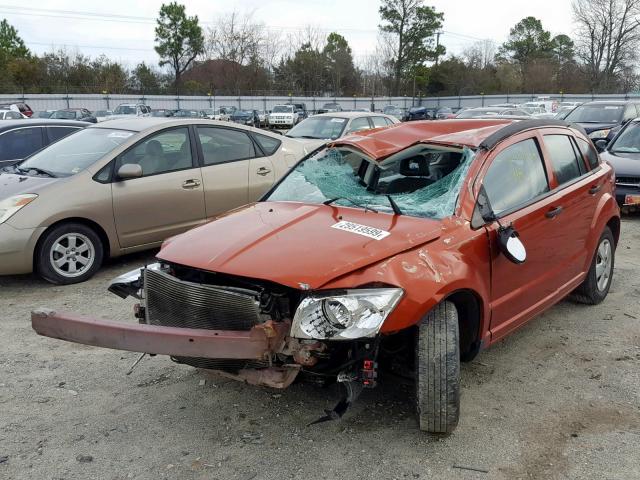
<point>20,143</point>
<point>567,166</point>
<point>269,145</point>
<point>515,177</point>
<point>379,122</point>
<point>221,145</point>
<point>358,124</point>
<point>589,152</point>
<point>56,133</point>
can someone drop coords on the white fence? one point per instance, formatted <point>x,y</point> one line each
<point>108,102</point>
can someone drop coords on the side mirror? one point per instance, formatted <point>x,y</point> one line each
<point>130,170</point>
<point>510,244</point>
<point>601,145</point>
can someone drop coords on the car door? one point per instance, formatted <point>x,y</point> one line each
<point>266,167</point>
<point>226,155</point>
<point>169,197</point>
<point>516,181</point>
<point>580,189</point>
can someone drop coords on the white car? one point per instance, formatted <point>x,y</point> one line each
<point>283,116</point>
<point>128,110</point>
<point>11,115</point>
<point>318,129</point>
<point>216,114</point>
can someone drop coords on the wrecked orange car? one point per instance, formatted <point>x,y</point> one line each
<point>408,249</point>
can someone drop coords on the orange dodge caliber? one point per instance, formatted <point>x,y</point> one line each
<point>407,249</point>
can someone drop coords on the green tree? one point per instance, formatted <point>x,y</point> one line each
<point>527,40</point>
<point>144,79</point>
<point>11,45</point>
<point>340,69</point>
<point>179,39</point>
<point>411,27</point>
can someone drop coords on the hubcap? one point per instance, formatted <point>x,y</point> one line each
<point>71,255</point>
<point>604,262</point>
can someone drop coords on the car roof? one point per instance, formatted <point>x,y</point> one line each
<point>350,114</point>
<point>610,102</point>
<point>40,122</point>
<point>475,133</point>
<point>143,124</point>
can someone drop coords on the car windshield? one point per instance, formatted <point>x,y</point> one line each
<point>243,113</point>
<point>283,109</point>
<point>423,181</point>
<point>76,152</point>
<point>102,113</point>
<point>124,110</point>
<point>63,114</point>
<point>628,141</point>
<point>596,114</point>
<point>319,127</point>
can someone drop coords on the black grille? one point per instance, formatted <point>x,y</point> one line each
<point>628,180</point>
<point>177,303</point>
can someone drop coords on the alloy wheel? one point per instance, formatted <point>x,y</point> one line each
<point>72,254</point>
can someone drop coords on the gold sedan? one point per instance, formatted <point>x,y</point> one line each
<point>126,185</point>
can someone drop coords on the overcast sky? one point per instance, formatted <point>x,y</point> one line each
<point>44,24</point>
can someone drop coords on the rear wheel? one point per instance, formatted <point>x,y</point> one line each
<point>69,253</point>
<point>438,370</point>
<point>596,285</point>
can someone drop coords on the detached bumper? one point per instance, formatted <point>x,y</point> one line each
<point>259,343</point>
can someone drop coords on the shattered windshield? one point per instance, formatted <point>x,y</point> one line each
<point>422,181</point>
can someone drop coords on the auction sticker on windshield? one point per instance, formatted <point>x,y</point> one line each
<point>364,230</point>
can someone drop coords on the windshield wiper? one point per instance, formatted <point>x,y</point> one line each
<point>365,207</point>
<point>394,205</point>
<point>38,170</point>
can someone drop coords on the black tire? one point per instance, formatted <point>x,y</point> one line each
<point>438,370</point>
<point>84,235</point>
<point>590,291</point>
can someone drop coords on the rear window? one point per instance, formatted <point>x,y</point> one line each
<point>566,164</point>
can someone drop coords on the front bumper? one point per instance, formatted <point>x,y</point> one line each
<point>16,249</point>
<point>259,343</point>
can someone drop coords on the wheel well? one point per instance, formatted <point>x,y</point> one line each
<point>104,239</point>
<point>614,225</point>
<point>469,308</point>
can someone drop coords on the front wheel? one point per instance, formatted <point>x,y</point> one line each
<point>438,370</point>
<point>69,253</point>
<point>596,285</point>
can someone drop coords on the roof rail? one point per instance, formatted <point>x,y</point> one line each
<point>520,126</point>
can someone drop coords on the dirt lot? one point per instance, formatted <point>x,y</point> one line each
<point>560,399</point>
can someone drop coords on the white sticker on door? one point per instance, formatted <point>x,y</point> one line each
<point>363,230</point>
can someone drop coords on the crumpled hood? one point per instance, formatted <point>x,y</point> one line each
<point>295,244</point>
<point>11,184</point>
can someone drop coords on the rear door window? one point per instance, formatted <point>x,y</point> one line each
<point>516,176</point>
<point>566,164</point>
<point>20,143</point>
<point>589,152</point>
<point>221,145</point>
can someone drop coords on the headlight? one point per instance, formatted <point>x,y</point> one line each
<point>599,133</point>
<point>344,314</point>
<point>11,205</point>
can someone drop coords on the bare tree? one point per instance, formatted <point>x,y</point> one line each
<point>609,36</point>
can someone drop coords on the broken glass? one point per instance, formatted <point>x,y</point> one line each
<point>339,175</point>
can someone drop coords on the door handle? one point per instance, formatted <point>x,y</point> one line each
<point>191,183</point>
<point>595,189</point>
<point>554,212</point>
<point>263,171</point>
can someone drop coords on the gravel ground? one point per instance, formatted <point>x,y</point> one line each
<point>559,399</point>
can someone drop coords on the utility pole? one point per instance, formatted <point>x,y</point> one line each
<point>437,46</point>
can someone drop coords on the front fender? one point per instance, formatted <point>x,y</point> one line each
<point>429,274</point>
